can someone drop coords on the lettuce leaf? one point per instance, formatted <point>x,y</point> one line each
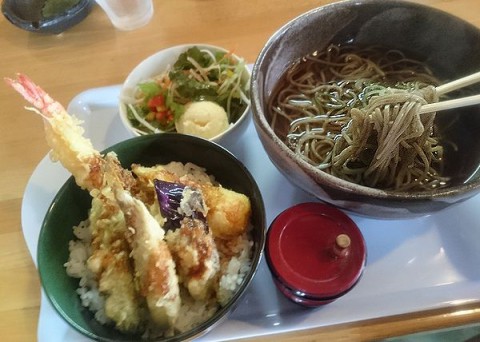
<point>192,89</point>
<point>200,57</point>
<point>150,89</point>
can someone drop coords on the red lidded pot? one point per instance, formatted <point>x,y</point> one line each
<point>315,253</point>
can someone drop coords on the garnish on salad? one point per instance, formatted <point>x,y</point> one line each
<point>217,79</point>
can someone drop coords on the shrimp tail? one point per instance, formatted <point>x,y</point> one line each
<point>43,103</point>
<point>64,135</point>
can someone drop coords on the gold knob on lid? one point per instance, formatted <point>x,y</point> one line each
<point>342,244</point>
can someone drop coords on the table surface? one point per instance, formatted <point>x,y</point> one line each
<point>94,54</point>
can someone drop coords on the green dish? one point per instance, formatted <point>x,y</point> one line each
<point>71,205</point>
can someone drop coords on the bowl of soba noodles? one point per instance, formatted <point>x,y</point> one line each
<point>339,101</point>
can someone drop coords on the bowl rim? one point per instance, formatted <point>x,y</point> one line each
<point>223,312</point>
<point>129,84</point>
<point>328,179</point>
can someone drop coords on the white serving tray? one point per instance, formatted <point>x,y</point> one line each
<point>412,265</point>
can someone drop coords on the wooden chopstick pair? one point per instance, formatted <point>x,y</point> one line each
<point>456,103</point>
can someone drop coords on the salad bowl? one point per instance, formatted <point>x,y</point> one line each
<point>162,74</point>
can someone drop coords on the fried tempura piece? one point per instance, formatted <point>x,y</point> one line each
<point>111,266</point>
<point>196,256</point>
<point>121,304</point>
<point>154,266</point>
<point>228,211</point>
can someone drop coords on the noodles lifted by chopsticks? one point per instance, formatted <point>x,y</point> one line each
<point>355,114</point>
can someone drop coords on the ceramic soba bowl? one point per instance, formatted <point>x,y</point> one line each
<point>446,44</point>
<point>71,206</point>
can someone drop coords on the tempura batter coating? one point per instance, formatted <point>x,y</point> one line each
<point>111,266</point>
<point>228,211</point>
<point>154,266</point>
<point>196,257</point>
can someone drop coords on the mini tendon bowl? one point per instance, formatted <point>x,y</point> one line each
<point>445,43</point>
<point>163,60</point>
<point>71,206</point>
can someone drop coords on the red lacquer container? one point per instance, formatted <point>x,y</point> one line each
<point>315,253</point>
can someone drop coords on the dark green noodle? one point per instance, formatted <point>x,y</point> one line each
<point>354,113</point>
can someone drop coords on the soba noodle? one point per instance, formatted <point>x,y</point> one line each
<point>355,114</point>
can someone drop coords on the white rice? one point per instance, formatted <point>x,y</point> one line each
<point>235,270</point>
<point>76,267</point>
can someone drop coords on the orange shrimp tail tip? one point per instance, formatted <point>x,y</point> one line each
<point>35,95</point>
